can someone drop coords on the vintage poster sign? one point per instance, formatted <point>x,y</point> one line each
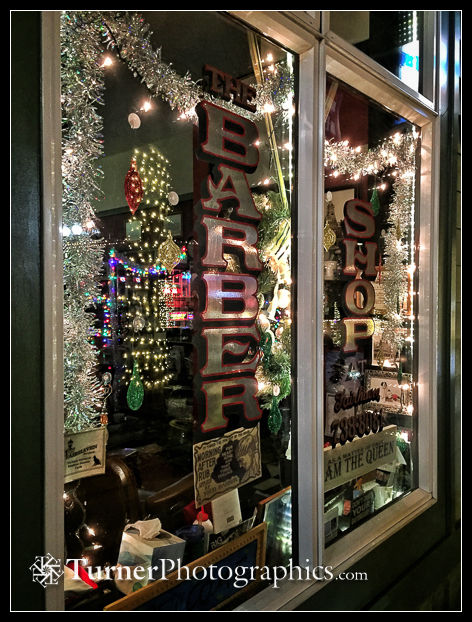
<point>354,459</point>
<point>225,463</point>
<point>85,454</point>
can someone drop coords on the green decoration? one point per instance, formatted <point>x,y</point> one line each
<point>400,373</point>
<point>374,201</point>
<point>274,420</point>
<point>285,384</point>
<point>266,342</point>
<point>401,443</point>
<point>135,394</point>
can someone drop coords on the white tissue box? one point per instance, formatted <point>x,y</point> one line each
<point>138,551</point>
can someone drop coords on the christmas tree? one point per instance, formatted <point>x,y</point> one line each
<point>151,256</point>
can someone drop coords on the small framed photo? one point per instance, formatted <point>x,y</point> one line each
<point>276,512</point>
<point>382,350</point>
<point>395,396</point>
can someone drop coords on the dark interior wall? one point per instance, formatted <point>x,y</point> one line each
<point>27,503</point>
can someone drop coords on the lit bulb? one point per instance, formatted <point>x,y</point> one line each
<point>107,62</point>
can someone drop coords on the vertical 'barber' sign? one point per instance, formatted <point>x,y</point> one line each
<point>226,265</point>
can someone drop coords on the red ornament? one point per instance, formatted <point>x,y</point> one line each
<point>133,187</point>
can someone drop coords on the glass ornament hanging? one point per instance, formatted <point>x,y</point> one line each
<point>138,323</point>
<point>135,393</point>
<point>133,187</point>
<point>169,253</point>
<point>274,420</point>
<point>375,202</point>
<point>173,198</point>
<point>107,390</point>
<point>329,237</point>
<point>400,372</point>
<point>134,121</point>
<point>266,342</point>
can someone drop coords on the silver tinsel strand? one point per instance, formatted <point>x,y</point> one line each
<point>82,90</point>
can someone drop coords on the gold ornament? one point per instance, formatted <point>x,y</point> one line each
<point>329,237</point>
<point>169,253</point>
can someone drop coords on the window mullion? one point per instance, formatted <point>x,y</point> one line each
<point>309,279</point>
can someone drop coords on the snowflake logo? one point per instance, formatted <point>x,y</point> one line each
<point>46,570</point>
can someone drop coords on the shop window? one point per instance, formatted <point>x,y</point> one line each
<point>400,41</point>
<point>370,309</point>
<point>178,176</point>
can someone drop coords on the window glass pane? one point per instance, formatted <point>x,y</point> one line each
<point>178,169</point>
<point>369,308</point>
<point>398,40</point>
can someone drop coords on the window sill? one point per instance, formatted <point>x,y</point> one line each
<point>362,541</point>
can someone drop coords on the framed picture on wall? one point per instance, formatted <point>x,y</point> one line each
<point>395,396</point>
<point>276,513</point>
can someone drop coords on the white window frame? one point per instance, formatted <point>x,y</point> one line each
<point>430,28</point>
<point>318,53</point>
<point>53,299</point>
<point>321,53</point>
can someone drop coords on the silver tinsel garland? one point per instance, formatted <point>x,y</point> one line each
<point>82,90</point>
<point>129,36</point>
<point>83,37</point>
